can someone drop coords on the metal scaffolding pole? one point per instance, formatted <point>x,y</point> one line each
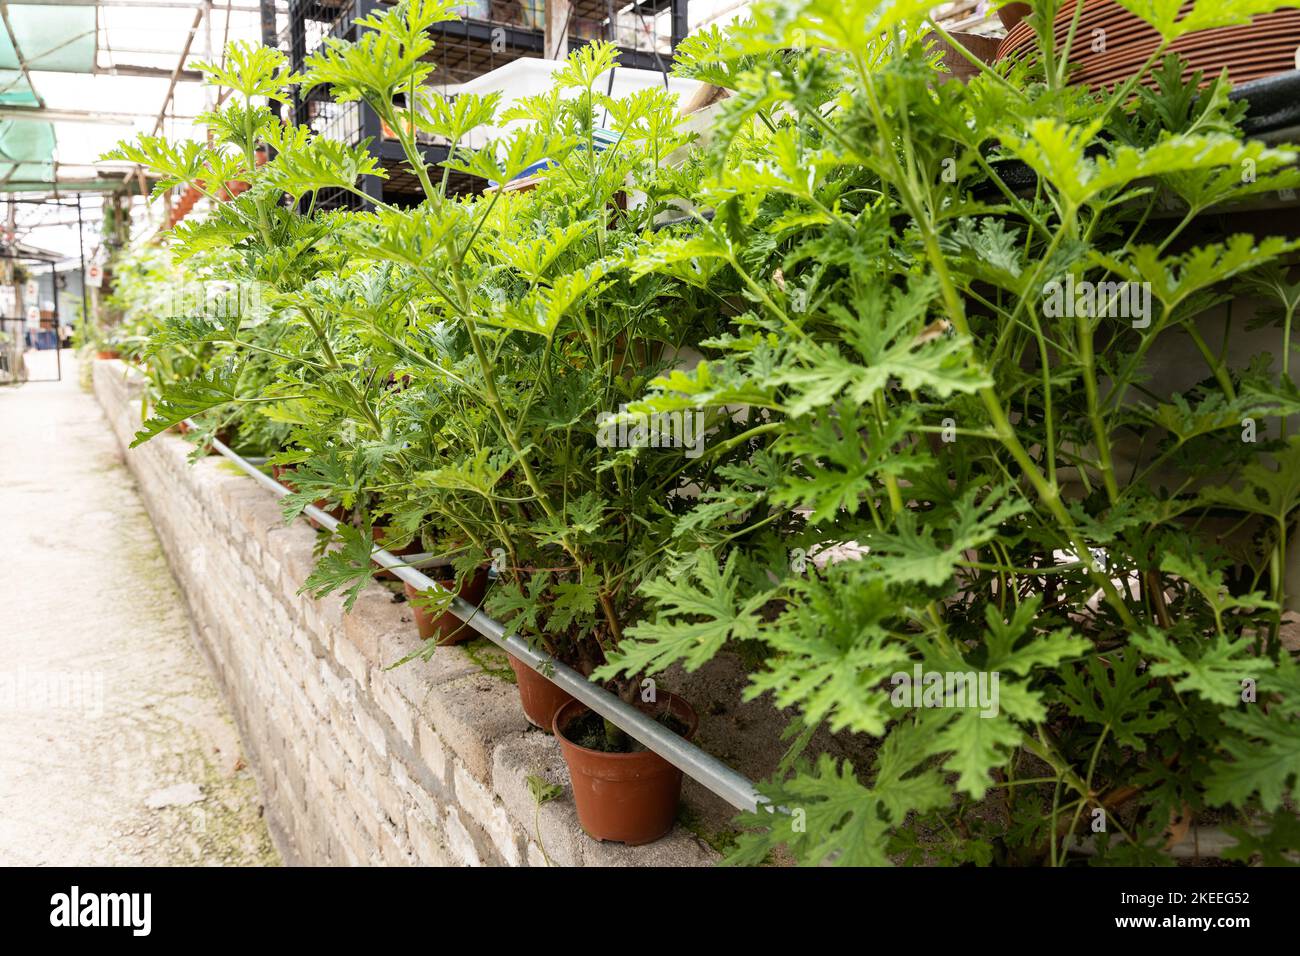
<point>81,253</point>
<point>58,342</point>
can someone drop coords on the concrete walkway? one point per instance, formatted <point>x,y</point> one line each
<point>115,747</point>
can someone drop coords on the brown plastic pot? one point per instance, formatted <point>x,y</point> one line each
<point>446,628</point>
<point>414,547</point>
<point>625,798</point>
<point>223,435</point>
<point>281,474</point>
<point>541,699</point>
<point>1013,13</point>
<point>107,354</point>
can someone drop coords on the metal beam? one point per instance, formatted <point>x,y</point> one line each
<point>85,185</point>
<point>681,22</point>
<point>134,4</point>
<point>151,72</point>
<point>18,52</point>
<point>71,116</point>
<point>558,13</point>
<point>180,64</point>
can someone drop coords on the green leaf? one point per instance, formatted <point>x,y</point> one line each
<point>347,568</point>
<point>884,328</point>
<point>826,815</point>
<point>1213,668</point>
<point>389,57</point>
<point>915,552</point>
<point>181,400</point>
<point>517,609</point>
<point>1277,845</point>
<point>1014,646</point>
<point>1273,492</point>
<point>252,70</point>
<point>533,257</point>
<point>308,165</point>
<point>977,743</point>
<point>1264,751</point>
<point>573,602</point>
<point>696,614</point>
<point>454,117</point>
<point>840,464</point>
<point>834,651</point>
<point>1212,587</point>
<point>1175,278</point>
<point>542,790</point>
<point>1059,153</point>
<point>1210,413</point>
<point>1113,694</point>
<point>185,163</point>
<point>980,735</point>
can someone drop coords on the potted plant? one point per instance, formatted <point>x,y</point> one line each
<point>945,436</point>
<point>911,448</point>
<point>449,370</point>
<point>432,619</point>
<point>623,792</point>
<point>536,315</point>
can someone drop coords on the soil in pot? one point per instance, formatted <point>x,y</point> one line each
<point>628,797</point>
<point>588,730</point>
<point>540,698</point>
<point>446,628</point>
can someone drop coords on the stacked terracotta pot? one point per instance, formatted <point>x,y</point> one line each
<point>184,204</point>
<point>1109,57</point>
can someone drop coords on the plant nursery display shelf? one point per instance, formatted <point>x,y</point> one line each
<point>821,455</point>
<point>465,768</point>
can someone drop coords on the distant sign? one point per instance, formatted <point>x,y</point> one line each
<point>95,275</point>
<point>31,290</point>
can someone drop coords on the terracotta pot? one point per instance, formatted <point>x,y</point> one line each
<point>541,698</point>
<point>446,628</point>
<point>223,435</point>
<point>959,67</point>
<point>1264,47</point>
<point>379,534</point>
<point>337,512</point>
<point>627,798</point>
<point>108,354</point>
<point>1013,13</point>
<point>279,473</point>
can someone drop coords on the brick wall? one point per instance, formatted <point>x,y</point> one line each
<point>424,764</point>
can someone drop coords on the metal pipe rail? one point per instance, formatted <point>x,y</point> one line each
<point>701,767</point>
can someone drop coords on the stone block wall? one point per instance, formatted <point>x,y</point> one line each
<point>360,764</point>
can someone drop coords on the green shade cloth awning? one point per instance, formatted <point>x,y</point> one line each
<point>53,38</point>
<point>26,151</point>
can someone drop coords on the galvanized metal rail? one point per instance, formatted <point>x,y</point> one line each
<point>701,767</point>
